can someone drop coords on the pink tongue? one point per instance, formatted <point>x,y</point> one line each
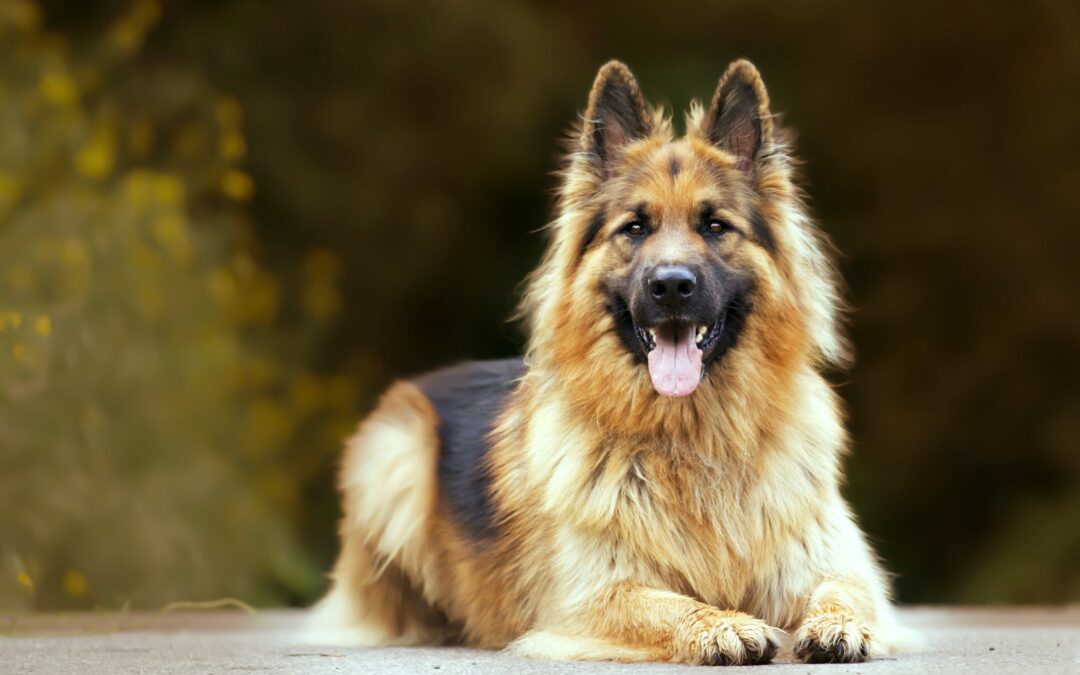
<point>675,366</point>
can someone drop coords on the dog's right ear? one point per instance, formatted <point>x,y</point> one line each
<point>617,116</point>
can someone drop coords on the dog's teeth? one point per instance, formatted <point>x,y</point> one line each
<point>701,331</point>
<point>652,334</point>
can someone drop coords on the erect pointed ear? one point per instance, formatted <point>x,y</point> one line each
<point>617,116</point>
<point>738,119</point>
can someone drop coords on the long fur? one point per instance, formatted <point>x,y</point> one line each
<point>630,526</point>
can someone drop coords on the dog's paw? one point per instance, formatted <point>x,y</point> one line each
<point>729,639</point>
<point>834,636</point>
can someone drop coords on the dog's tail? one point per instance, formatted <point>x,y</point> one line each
<point>896,637</point>
<point>558,647</point>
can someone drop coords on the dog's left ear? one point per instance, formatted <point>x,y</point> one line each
<point>738,119</point>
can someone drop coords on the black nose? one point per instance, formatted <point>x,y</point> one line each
<point>672,286</point>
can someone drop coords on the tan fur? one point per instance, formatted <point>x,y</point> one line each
<point>631,526</point>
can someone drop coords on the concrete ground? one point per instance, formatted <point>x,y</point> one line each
<point>960,640</point>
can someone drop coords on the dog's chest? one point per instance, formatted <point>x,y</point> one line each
<point>684,524</point>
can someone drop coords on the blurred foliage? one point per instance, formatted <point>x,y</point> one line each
<point>220,239</point>
<point>151,401</point>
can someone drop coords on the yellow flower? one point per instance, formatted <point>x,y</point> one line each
<point>43,326</point>
<point>13,319</point>
<point>147,12</point>
<point>168,190</point>
<point>137,186</point>
<point>322,262</point>
<point>73,252</point>
<point>171,232</point>
<point>321,299</point>
<point>23,14</point>
<point>232,146</point>
<point>95,160</point>
<point>222,285</point>
<point>58,89</point>
<point>25,581</point>
<point>9,185</point>
<point>268,426</point>
<point>10,188</point>
<point>228,112</point>
<point>141,137</point>
<point>126,35</point>
<point>75,583</point>
<point>128,32</point>
<point>18,352</point>
<point>237,185</point>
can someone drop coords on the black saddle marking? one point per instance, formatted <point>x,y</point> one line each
<point>468,398</point>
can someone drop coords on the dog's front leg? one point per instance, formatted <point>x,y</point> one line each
<point>837,626</point>
<point>630,622</point>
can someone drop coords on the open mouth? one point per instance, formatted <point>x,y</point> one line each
<point>678,351</point>
<point>675,353</point>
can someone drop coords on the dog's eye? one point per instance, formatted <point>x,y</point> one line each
<point>635,229</point>
<point>717,226</point>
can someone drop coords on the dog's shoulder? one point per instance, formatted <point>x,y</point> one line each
<point>468,398</point>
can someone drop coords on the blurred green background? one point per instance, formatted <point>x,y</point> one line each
<point>225,226</point>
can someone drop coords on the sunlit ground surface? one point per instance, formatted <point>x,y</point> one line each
<point>960,640</point>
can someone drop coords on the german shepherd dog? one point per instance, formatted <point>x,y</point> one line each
<point>658,479</point>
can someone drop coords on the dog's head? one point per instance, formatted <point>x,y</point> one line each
<point>677,248</point>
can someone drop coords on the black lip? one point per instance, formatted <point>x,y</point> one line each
<point>721,337</point>
<point>625,327</point>
<point>734,318</point>
<point>644,337</point>
<point>716,329</point>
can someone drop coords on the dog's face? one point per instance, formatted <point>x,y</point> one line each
<point>679,282</point>
<point>677,227</point>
